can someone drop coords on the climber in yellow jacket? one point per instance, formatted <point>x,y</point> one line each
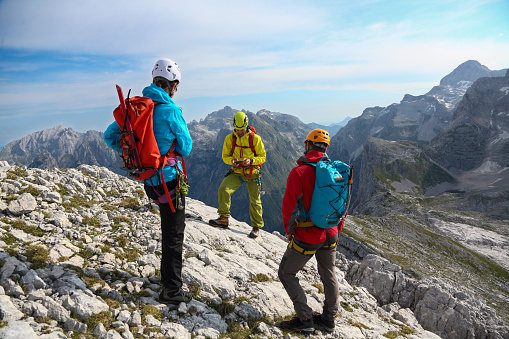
<point>244,150</point>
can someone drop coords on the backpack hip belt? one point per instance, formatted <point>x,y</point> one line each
<point>305,252</point>
<point>304,224</point>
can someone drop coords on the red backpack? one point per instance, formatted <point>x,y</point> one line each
<point>138,147</point>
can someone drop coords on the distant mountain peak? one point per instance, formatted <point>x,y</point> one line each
<point>225,112</point>
<point>468,72</point>
<point>61,147</point>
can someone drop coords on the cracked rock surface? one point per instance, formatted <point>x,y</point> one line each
<point>79,257</point>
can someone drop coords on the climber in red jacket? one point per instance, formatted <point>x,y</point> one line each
<point>305,242</point>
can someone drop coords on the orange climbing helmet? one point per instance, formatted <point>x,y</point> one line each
<point>319,135</point>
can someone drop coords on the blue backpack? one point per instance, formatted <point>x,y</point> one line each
<point>331,195</point>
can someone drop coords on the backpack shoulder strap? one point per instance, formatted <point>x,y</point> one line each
<point>234,143</point>
<point>251,144</point>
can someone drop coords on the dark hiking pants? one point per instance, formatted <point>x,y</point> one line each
<point>172,229</point>
<point>293,261</point>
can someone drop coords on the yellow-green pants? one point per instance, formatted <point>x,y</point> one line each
<point>229,185</point>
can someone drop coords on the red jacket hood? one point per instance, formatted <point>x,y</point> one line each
<point>312,156</point>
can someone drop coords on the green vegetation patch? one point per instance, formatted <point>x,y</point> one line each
<point>436,175</point>
<point>140,193</point>
<point>224,308</point>
<point>30,189</point>
<point>132,203</point>
<point>28,229</point>
<point>240,299</point>
<point>404,331</point>
<point>62,190</point>
<point>37,255</point>
<point>195,290</point>
<point>18,171</point>
<point>105,317</point>
<point>77,202</point>
<point>8,239</point>
<point>85,253</point>
<point>91,221</point>
<point>346,306</point>
<point>152,310</point>
<point>112,303</point>
<point>236,331</point>
<point>91,281</point>
<point>421,172</point>
<point>391,334</point>
<point>357,324</point>
<point>319,287</point>
<point>130,254</point>
<point>122,218</point>
<point>122,240</point>
<point>260,277</point>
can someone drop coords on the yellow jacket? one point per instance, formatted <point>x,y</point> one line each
<point>243,150</point>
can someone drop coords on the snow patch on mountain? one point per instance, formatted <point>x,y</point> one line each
<point>502,136</point>
<point>464,84</point>
<point>488,167</point>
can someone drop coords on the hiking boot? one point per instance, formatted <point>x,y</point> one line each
<point>222,222</point>
<point>297,325</point>
<point>323,324</point>
<point>254,232</point>
<point>168,296</point>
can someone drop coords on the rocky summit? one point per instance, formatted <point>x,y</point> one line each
<point>80,254</point>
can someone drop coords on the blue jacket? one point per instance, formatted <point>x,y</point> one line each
<point>169,124</point>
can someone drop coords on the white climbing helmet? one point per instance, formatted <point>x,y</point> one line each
<point>167,69</point>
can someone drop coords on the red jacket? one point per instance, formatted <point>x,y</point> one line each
<point>299,188</point>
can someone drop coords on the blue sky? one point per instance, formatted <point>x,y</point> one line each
<point>319,60</point>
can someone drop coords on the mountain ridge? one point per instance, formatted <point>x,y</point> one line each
<point>60,147</point>
<point>418,118</point>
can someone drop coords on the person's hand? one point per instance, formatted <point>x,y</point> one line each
<point>246,162</point>
<point>289,236</point>
<point>234,161</point>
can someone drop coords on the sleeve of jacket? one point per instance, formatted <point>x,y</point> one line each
<point>261,156</point>
<point>110,136</point>
<point>227,148</point>
<point>292,193</point>
<point>178,126</point>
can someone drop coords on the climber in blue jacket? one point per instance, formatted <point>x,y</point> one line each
<point>169,126</point>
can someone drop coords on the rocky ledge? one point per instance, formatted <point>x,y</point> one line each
<point>79,258</point>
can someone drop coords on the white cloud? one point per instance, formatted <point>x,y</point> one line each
<point>133,27</point>
<point>227,48</point>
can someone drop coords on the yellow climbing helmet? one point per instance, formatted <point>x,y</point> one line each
<point>319,135</point>
<point>240,120</point>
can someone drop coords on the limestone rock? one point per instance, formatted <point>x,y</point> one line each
<point>8,311</point>
<point>84,305</point>
<point>16,330</point>
<point>24,204</point>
